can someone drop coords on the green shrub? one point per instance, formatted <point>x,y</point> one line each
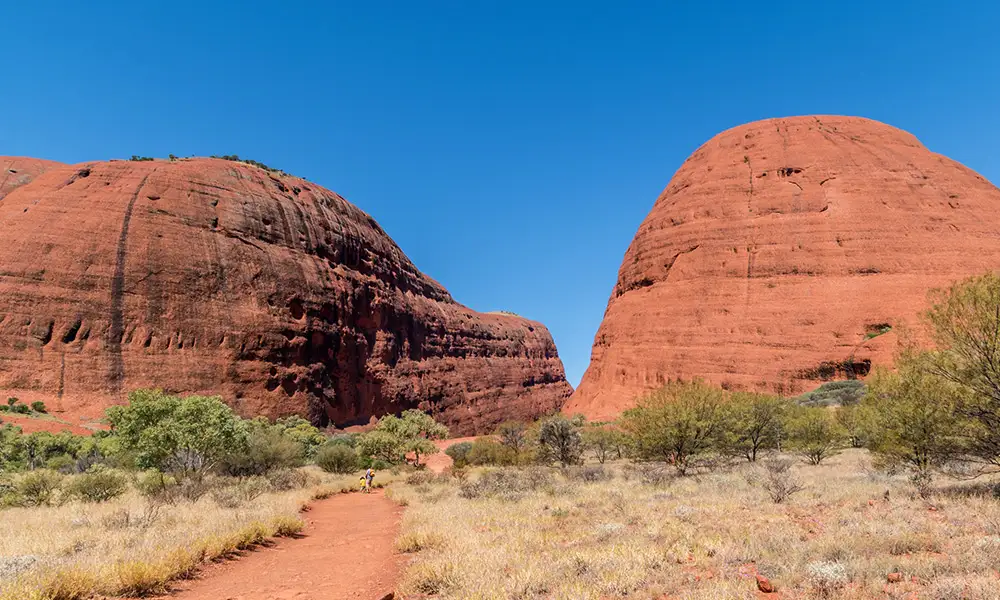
<point>23,409</point>
<point>99,484</point>
<point>11,401</point>
<point>394,437</point>
<point>912,419</point>
<point>38,406</point>
<point>63,463</point>
<point>188,436</point>
<point>459,453</point>
<point>268,447</point>
<point>487,451</point>
<point>834,393</point>
<point>514,435</point>
<point>38,488</point>
<point>337,458</point>
<point>155,485</point>
<point>367,462</point>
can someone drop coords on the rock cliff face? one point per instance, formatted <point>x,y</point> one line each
<point>219,277</point>
<point>784,253</point>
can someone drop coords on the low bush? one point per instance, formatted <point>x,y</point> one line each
<point>506,484</point>
<point>38,488</point>
<point>23,409</point>
<point>459,453</point>
<point>99,484</point>
<point>267,448</point>
<point>815,434</point>
<point>589,474</point>
<point>421,478</point>
<point>247,490</point>
<point>287,479</point>
<point>38,406</point>
<point>779,482</point>
<point>559,440</point>
<point>489,452</point>
<point>834,393</point>
<point>63,463</point>
<point>654,474</point>
<point>337,458</point>
<point>154,485</point>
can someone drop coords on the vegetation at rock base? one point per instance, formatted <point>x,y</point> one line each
<point>14,405</point>
<point>175,482</point>
<point>682,423</point>
<point>394,437</point>
<point>834,393</point>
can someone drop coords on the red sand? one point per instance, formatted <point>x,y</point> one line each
<point>33,424</point>
<point>441,461</point>
<point>346,551</point>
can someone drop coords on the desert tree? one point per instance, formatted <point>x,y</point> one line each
<point>851,419</point>
<point>602,440</point>
<point>393,437</point>
<point>965,325</point>
<point>513,435</point>
<point>753,423</point>
<point>186,436</point>
<point>910,418</point>
<point>679,423</point>
<point>813,433</point>
<point>559,440</point>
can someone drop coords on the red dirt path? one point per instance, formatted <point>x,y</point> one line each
<point>441,461</point>
<point>346,552</point>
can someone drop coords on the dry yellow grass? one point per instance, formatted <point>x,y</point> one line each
<point>704,538</point>
<point>132,547</point>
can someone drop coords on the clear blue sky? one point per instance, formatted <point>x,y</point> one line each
<point>510,148</point>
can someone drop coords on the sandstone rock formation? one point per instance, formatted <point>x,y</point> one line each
<point>16,171</point>
<point>219,277</point>
<point>784,253</point>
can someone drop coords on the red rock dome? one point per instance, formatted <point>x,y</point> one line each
<point>220,277</point>
<point>786,252</point>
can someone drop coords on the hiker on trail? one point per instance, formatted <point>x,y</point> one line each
<point>369,476</point>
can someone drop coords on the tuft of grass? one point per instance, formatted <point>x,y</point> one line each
<point>415,541</point>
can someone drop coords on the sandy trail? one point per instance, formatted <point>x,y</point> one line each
<point>441,461</point>
<point>345,552</point>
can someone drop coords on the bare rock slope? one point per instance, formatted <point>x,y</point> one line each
<point>220,277</point>
<point>787,252</point>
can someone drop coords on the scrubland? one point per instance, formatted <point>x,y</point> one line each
<point>629,530</point>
